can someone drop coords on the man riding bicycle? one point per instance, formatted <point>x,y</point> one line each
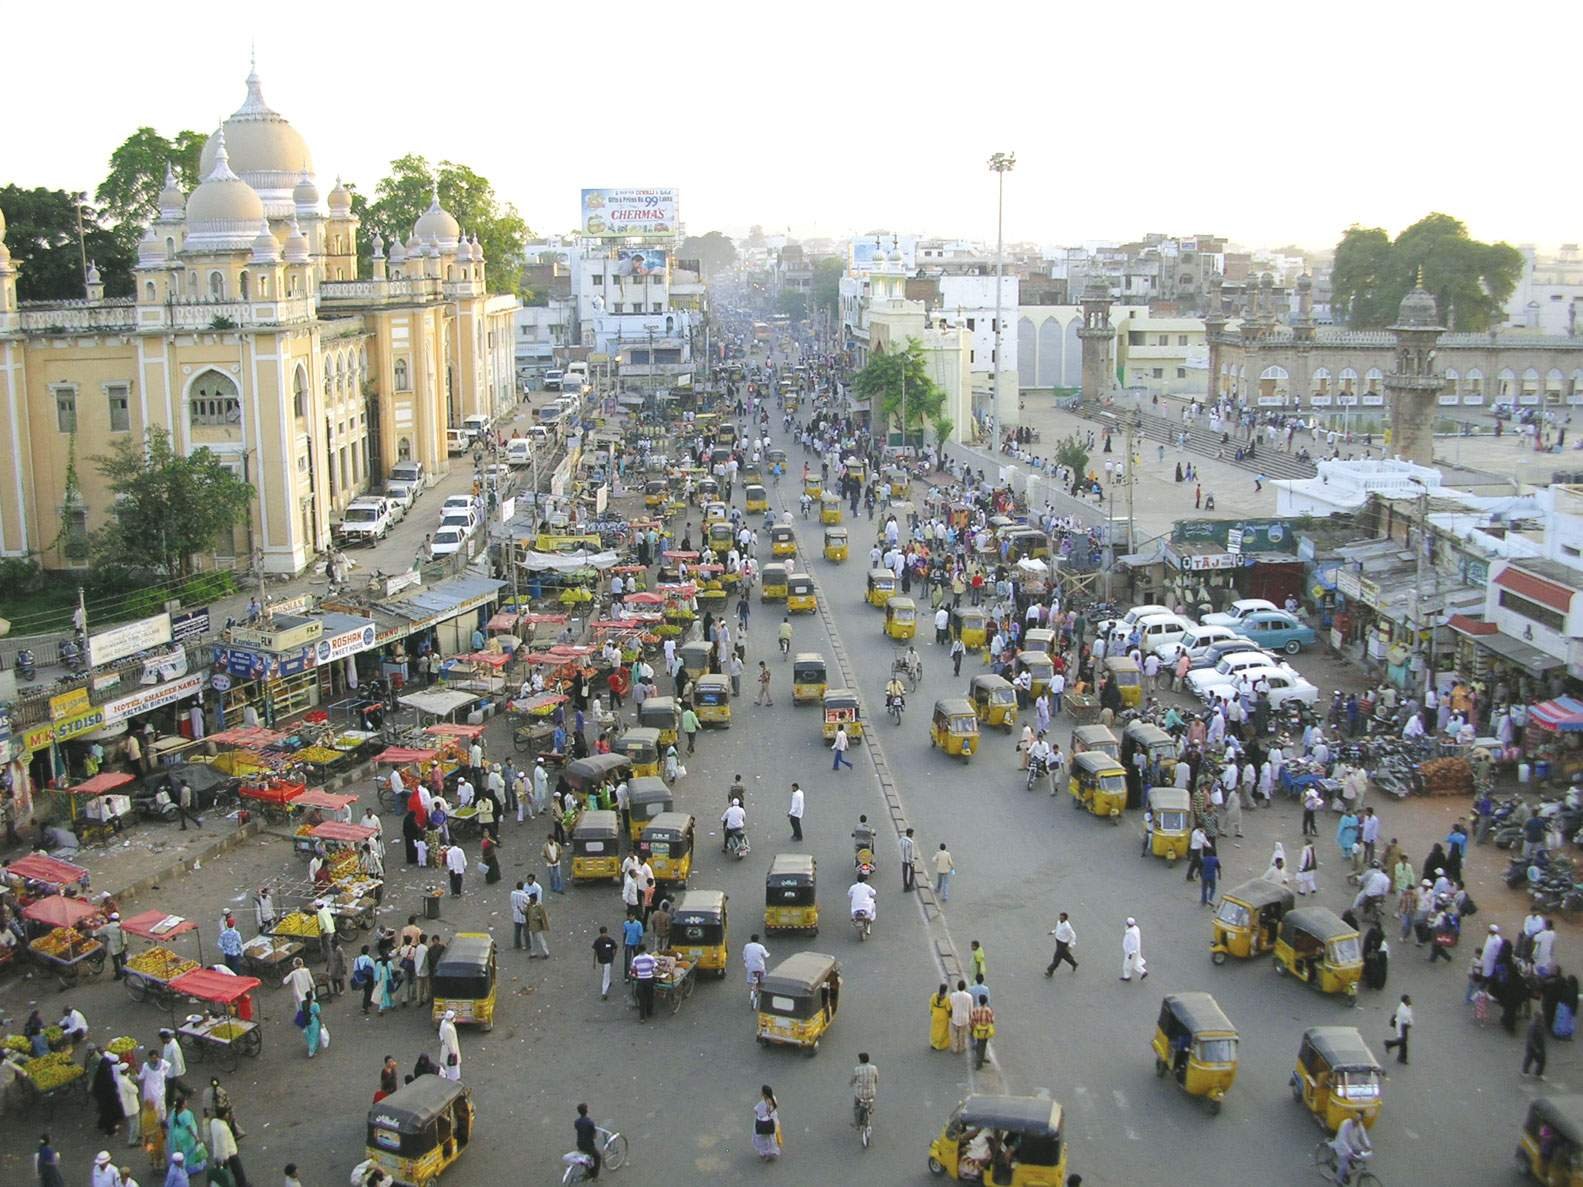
<point>865,1088</point>
<point>1352,1147</point>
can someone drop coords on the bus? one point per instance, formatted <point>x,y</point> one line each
<point>761,331</point>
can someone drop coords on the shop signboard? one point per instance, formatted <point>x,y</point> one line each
<point>128,639</point>
<point>81,723</point>
<point>1257,535</point>
<point>1348,584</point>
<point>345,644</point>
<point>1234,541</point>
<point>299,604</point>
<point>152,698</point>
<point>68,704</point>
<point>5,736</point>
<point>220,682</point>
<point>166,666</point>
<point>189,624</point>
<point>613,213</point>
<point>38,738</point>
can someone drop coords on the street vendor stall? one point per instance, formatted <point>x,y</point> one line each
<point>102,811</point>
<point>149,973</point>
<point>1553,739</point>
<point>270,796</point>
<point>226,1030</point>
<point>476,671</point>
<point>67,953</point>
<point>440,703</point>
<point>35,874</point>
<point>411,761</point>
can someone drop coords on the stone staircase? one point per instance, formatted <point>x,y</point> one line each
<point>1271,462</point>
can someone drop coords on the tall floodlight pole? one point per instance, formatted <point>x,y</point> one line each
<point>1001,164</point>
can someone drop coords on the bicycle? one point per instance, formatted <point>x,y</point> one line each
<point>1357,1176</point>
<point>612,1153</point>
<point>863,1120</point>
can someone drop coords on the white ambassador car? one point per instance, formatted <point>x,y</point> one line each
<point>1284,684</point>
<point>1195,642</point>
<point>1233,614</point>
<point>1203,681</point>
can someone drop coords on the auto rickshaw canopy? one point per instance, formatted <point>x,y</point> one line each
<point>585,773</point>
<point>799,975</point>
<point>649,797</point>
<point>600,825</point>
<point>799,583</point>
<point>640,743</point>
<point>841,698</point>
<point>994,690</point>
<point>1564,1114</point>
<point>808,667</point>
<point>1094,737</point>
<point>660,709</point>
<point>466,969</point>
<point>1340,1048</point>
<point>1019,1114</point>
<point>1320,922</point>
<point>669,827</point>
<point>712,690</point>
<point>835,535</point>
<point>774,573</point>
<point>1097,762</point>
<point>1199,1014</point>
<point>791,869</point>
<point>966,616</point>
<point>1161,799</point>
<point>700,907</point>
<point>753,492</point>
<point>1148,735</point>
<point>1039,639</point>
<point>781,532</point>
<point>899,603</point>
<point>959,714</point>
<point>1124,668</point>
<point>881,579</point>
<point>1256,894</point>
<point>411,1113</point>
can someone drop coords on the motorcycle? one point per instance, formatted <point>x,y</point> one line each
<point>71,657</point>
<point>25,667</point>
<point>894,706</point>
<point>736,843</point>
<point>149,806</point>
<point>1038,769</point>
<point>862,923</point>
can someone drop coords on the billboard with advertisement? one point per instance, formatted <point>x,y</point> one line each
<point>612,213</point>
<point>640,261</point>
<point>128,639</point>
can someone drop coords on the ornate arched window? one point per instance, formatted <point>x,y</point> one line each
<point>213,400</point>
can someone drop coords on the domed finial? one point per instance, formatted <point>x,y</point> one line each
<point>1419,283</point>
<point>222,160</point>
<point>170,175</point>
<point>434,192</point>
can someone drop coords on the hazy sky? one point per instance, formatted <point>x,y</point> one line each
<point>1268,123</point>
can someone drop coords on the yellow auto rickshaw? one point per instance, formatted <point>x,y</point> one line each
<point>1039,639</point>
<point>721,537</point>
<point>954,727</point>
<point>1248,919</point>
<point>900,482</point>
<point>783,541</point>
<point>715,511</point>
<point>1317,946</point>
<point>1022,1131</point>
<point>790,894</point>
<point>641,745</point>
<point>1196,1043</point>
<point>857,471</point>
<point>420,1129</point>
<point>809,677</point>
<point>835,544</point>
<point>666,843</point>
<point>901,617</point>
<point>1125,674</point>
<point>800,595</point>
<point>798,1000</point>
<point>1099,784</point>
<point>751,474</point>
<point>756,499</point>
<point>648,796</point>
<point>1158,747</point>
<point>712,598</point>
<point>464,980</point>
<point>1551,1145</point>
<point>881,585</point>
<point>712,700</point>
<point>772,583</point>
<point>1095,737</point>
<point>655,492</point>
<point>1040,669</point>
<point>664,717</point>
<point>994,700</point>
<point>696,657</point>
<point>1171,821</point>
<point>1026,543</point>
<point>700,930</point>
<point>813,485</point>
<point>971,625</point>
<point>829,508</point>
<point>708,491</point>
<point>841,708</point>
<point>596,847</point>
<point>1337,1077</point>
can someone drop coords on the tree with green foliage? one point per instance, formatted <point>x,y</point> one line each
<point>168,507</point>
<point>41,233</point>
<point>827,274</point>
<point>1469,280</point>
<point>129,194</point>
<point>714,252</point>
<point>1073,454</point>
<point>792,304</point>
<point>401,198</point>
<point>897,383</point>
<point>943,426</point>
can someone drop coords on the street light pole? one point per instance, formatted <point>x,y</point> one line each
<point>1000,164</point>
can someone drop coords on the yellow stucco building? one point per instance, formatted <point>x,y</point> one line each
<point>252,334</point>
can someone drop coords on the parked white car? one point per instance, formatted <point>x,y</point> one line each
<point>402,494</point>
<point>1108,626</point>
<point>1226,671</point>
<point>1234,613</point>
<point>461,518</point>
<point>448,540</point>
<point>456,503</point>
<point>364,521</point>
<point>1195,642</point>
<point>1284,684</point>
<point>519,452</point>
<point>1159,629</point>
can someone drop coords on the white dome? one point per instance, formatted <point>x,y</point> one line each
<point>340,199</point>
<point>266,151</point>
<point>150,250</point>
<point>172,202</point>
<point>436,223</point>
<point>298,250</point>
<point>223,213</point>
<point>265,249</point>
<point>305,193</point>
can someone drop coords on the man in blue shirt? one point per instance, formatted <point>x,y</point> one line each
<point>231,945</point>
<point>631,941</point>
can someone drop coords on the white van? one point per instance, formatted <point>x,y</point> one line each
<point>476,425</point>
<point>456,441</point>
<point>519,452</point>
<point>575,371</point>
